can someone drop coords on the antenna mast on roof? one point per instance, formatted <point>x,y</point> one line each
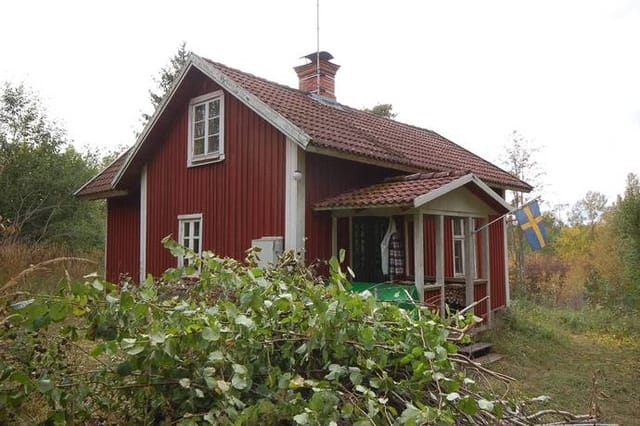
<point>318,46</point>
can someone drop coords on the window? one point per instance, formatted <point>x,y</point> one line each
<point>459,248</point>
<point>206,129</point>
<point>190,235</point>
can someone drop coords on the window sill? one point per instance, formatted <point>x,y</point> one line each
<point>205,159</point>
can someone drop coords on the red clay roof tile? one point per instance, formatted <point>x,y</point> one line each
<point>343,129</point>
<point>101,183</point>
<point>395,191</point>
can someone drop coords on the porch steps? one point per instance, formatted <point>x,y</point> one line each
<point>488,358</point>
<point>479,352</point>
<point>475,350</point>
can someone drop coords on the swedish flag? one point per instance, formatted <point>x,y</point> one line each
<point>532,225</point>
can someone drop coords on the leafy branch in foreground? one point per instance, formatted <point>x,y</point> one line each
<point>241,345</point>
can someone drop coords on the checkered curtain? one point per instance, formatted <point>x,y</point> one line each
<point>396,257</point>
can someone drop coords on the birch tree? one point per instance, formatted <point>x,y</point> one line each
<point>520,159</point>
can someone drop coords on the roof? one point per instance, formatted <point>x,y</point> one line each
<point>413,190</point>
<point>394,191</point>
<point>340,128</point>
<point>330,128</point>
<point>100,185</point>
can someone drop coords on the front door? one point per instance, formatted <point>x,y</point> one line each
<point>368,232</point>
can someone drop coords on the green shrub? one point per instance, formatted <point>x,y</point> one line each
<point>239,345</point>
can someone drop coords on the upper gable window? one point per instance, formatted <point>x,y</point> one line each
<point>206,129</point>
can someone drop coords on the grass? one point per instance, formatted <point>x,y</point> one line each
<point>26,268</point>
<point>16,258</point>
<point>557,352</point>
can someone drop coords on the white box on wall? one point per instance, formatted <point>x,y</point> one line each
<point>270,249</point>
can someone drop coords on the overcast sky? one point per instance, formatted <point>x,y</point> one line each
<point>564,74</point>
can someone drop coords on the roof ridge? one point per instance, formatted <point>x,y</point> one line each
<point>363,136</point>
<point>399,156</point>
<point>266,80</point>
<point>395,153</point>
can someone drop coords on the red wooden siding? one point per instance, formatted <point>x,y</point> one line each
<point>123,237</point>
<point>429,246</point>
<point>497,264</point>
<point>241,198</point>
<point>410,248</point>
<point>326,177</point>
<point>480,291</point>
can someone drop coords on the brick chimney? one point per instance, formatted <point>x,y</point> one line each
<point>318,73</point>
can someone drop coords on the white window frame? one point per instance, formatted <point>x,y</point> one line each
<point>461,237</point>
<point>458,238</point>
<point>208,157</point>
<point>191,219</point>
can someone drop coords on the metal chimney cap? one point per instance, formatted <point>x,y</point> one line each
<point>324,56</point>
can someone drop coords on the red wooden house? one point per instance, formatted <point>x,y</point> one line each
<point>229,158</point>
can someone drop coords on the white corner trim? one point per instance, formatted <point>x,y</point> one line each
<point>106,238</point>
<point>418,250</point>
<point>294,222</point>
<point>469,261</point>
<point>143,224</point>
<point>444,189</point>
<point>486,269</point>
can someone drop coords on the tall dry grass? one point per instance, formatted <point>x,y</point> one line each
<point>25,266</point>
<point>39,269</point>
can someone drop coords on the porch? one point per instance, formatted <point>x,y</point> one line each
<point>438,252</point>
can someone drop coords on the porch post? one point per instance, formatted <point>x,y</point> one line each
<point>418,250</point>
<point>334,236</point>
<point>507,285</point>
<point>440,260</point>
<point>469,264</point>
<point>486,268</point>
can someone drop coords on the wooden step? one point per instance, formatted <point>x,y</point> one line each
<point>475,350</point>
<point>488,358</point>
<point>476,332</point>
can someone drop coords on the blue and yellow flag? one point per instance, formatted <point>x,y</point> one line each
<point>532,225</point>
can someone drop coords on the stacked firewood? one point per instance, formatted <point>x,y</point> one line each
<point>454,297</point>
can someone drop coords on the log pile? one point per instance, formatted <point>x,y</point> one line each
<point>454,297</point>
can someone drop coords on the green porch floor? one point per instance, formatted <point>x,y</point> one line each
<point>403,294</point>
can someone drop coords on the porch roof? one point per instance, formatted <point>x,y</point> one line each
<point>413,191</point>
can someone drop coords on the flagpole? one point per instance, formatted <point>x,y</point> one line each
<point>509,212</point>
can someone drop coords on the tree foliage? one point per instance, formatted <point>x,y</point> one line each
<point>166,76</point>
<point>383,110</point>
<point>242,345</point>
<point>39,171</point>
<point>589,210</point>
<point>520,160</point>
<point>627,225</point>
